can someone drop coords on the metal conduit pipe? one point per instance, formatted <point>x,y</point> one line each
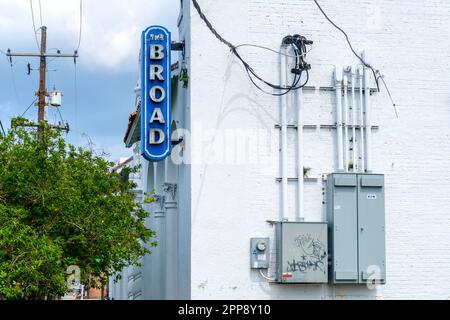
<point>346,153</point>
<point>354,147</point>
<point>284,101</point>
<point>300,153</point>
<point>367,73</point>
<point>361,118</point>
<point>338,83</point>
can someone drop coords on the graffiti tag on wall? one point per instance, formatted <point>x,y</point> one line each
<point>312,255</point>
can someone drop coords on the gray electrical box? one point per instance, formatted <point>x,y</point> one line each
<point>356,213</point>
<point>259,253</point>
<point>302,253</point>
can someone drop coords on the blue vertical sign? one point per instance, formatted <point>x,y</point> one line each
<point>156,105</point>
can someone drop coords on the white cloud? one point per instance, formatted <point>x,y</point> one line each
<point>110,33</point>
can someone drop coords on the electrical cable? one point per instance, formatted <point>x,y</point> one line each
<point>299,49</point>
<point>81,25</point>
<point>251,73</point>
<point>288,89</point>
<point>389,94</point>
<point>264,276</point>
<point>28,107</point>
<point>34,26</point>
<point>60,115</point>
<point>210,27</point>
<point>376,73</point>
<point>40,12</point>
<point>349,44</point>
<point>266,48</point>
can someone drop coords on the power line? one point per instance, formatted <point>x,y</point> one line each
<point>81,25</point>
<point>268,49</point>
<point>28,108</point>
<point>297,42</point>
<point>210,27</point>
<point>40,13</point>
<point>34,26</point>
<point>376,73</point>
<point>42,93</point>
<point>349,44</point>
<point>389,94</point>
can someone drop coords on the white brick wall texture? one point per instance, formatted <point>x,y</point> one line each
<point>406,40</point>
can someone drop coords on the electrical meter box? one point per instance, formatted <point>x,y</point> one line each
<point>302,252</point>
<point>356,222</point>
<point>259,253</point>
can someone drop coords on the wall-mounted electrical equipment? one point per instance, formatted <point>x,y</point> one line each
<point>259,253</point>
<point>356,217</point>
<point>302,253</point>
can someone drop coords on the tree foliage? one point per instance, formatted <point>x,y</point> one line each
<point>61,206</point>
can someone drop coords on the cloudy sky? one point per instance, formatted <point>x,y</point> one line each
<point>98,93</point>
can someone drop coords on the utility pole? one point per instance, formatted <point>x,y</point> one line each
<point>42,92</point>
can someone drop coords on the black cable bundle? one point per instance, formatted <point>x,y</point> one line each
<point>299,45</point>
<point>297,42</point>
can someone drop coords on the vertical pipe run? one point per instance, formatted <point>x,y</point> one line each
<point>346,153</point>
<point>354,148</point>
<point>338,84</point>
<point>361,118</point>
<point>284,101</point>
<point>368,118</point>
<point>300,153</point>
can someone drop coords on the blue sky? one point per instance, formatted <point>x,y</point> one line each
<point>99,105</point>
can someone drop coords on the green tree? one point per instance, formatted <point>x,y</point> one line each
<point>61,206</point>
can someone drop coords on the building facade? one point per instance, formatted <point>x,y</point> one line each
<point>229,179</point>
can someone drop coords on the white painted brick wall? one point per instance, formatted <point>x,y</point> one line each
<point>408,41</point>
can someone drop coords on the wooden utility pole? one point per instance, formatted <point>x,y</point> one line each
<point>42,92</point>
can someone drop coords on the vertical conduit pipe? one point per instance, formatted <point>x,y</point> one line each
<point>361,118</point>
<point>284,101</point>
<point>368,118</point>
<point>300,153</point>
<point>338,85</point>
<point>354,148</point>
<point>346,153</point>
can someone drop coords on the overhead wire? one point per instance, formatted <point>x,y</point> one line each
<point>81,25</point>
<point>389,94</point>
<point>252,74</point>
<point>349,43</point>
<point>34,26</point>
<point>269,49</point>
<point>40,12</point>
<point>60,115</point>
<point>376,73</point>
<point>26,110</point>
